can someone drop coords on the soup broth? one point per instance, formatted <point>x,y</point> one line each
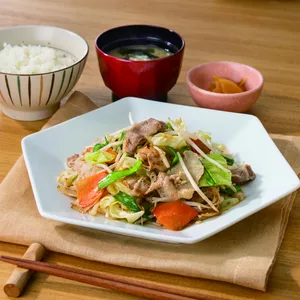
<point>140,52</point>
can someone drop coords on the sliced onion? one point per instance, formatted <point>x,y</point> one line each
<point>193,183</point>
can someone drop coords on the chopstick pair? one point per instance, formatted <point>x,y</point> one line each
<point>108,281</point>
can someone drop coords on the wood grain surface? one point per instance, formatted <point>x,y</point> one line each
<point>261,33</point>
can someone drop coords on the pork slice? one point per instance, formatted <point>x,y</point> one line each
<point>71,160</point>
<point>165,187</point>
<point>151,157</point>
<point>139,131</point>
<point>138,185</point>
<point>83,169</point>
<point>193,164</point>
<point>196,169</point>
<point>242,174</point>
<point>174,184</point>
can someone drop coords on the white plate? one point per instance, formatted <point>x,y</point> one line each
<point>45,153</point>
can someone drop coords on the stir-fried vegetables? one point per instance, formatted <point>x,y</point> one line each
<point>98,146</point>
<point>174,215</point>
<point>156,172</point>
<point>127,201</point>
<point>87,189</point>
<point>100,157</point>
<point>114,210</point>
<point>175,159</point>
<point>111,177</point>
<point>208,177</point>
<point>228,203</point>
<point>67,177</point>
<point>166,139</point>
<point>229,160</point>
<point>216,174</point>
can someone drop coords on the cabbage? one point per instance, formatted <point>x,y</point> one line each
<point>203,135</point>
<point>115,210</point>
<point>179,123</point>
<point>67,177</point>
<point>106,202</point>
<point>219,148</point>
<point>117,186</point>
<point>228,203</point>
<point>219,176</point>
<point>127,163</point>
<point>164,139</point>
<point>98,157</point>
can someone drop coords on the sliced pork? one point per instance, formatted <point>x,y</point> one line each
<point>138,185</point>
<point>174,185</point>
<point>71,160</point>
<point>152,159</point>
<point>83,168</point>
<point>242,174</point>
<point>138,133</point>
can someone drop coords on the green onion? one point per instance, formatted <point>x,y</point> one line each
<point>209,178</point>
<point>122,135</point>
<point>185,148</point>
<point>148,211</point>
<point>127,201</point>
<point>229,160</point>
<point>113,176</point>
<point>170,126</point>
<point>99,146</point>
<point>121,139</point>
<point>175,159</point>
<point>238,188</point>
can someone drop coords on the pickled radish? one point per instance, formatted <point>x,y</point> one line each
<point>226,86</point>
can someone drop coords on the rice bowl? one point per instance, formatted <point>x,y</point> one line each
<point>36,96</point>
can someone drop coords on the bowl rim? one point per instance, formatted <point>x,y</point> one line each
<point>140,61</point>
<point>78,61</point>
<point>248,92</point>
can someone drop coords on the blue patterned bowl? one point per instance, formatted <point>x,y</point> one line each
<point>38,96</point>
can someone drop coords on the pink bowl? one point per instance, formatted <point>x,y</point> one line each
<point>199,79</point>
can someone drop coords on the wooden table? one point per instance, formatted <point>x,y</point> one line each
<point>264,34</point>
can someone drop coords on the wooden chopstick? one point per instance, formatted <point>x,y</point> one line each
<point>109,281</point>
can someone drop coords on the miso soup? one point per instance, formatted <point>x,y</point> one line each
<point>140,52</point>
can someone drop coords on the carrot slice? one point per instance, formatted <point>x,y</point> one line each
<point>87,189</point>
<point>174,215</point>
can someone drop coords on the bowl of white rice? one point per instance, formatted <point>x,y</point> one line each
<point>39,66</point>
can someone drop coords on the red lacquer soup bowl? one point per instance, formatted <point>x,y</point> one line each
<point>151,79</point>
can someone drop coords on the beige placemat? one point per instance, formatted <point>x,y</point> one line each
<point>243,254</point>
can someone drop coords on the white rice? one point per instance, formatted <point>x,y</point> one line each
<point>29,59</point>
